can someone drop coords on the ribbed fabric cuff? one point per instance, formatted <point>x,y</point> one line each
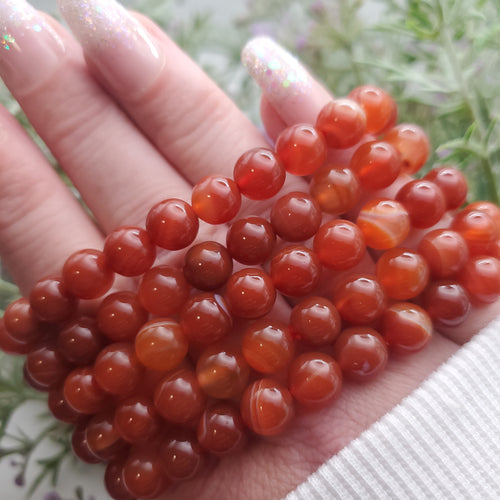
<point>440,442</point>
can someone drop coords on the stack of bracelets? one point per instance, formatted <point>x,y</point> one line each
<point>182,361</point>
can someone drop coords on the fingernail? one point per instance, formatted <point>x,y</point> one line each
<point>277,72</point>
<point>30,50</point>
<point>117,44</point>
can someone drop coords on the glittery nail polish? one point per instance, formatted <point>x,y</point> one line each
<point>126,56</point>
<point>30,49</point>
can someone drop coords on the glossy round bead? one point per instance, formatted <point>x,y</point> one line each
<point>267,407</point>
<point>163,290</point>
<point>336,189</point>
<point>316,321</point>
<point>250,293</point>
<point>103,439</point>
<point>486,207</point>
<point>221,430</point>
<point>179,397</point>
<point>361,353</point>
<point>301,149</point>
<point>295,271</point>
<point>135,419</point>
<point>113,480</point>
<point>406,327</point>
<point>402,272</point>
<point>360,299</point>
<point>268,345</point>
<point>83,393</point>
<point>222,372</point>
<point>207,265</point>
<point>445,252</point>
<point>216,199</point>
<point>339,244</point>
<point>51,300</point>
<point>377,164</point>
<point>117,369</point>
<point>161,344</point>
<point>385,223</point>
<point>172,224</point>
<point>20,321</point>
<point>447,303</point>
<point>477,229</point>
<point>295,216</point>
<point>79,444</point>
<point>10,345</point>
<point>250,240</point>
<point>481,278</point>
<point>60,408</point>
<point>129,251</point>
<point>452,183</point>
<point>46,366</point>
<point>343,123</point>
<point>379,107</point>
<point>79,341</point>
<point>181,455</point>
<point>412,143</point>
<point>31,382</point>
<point>315,379</point>
<point>120,315</point>
<point>87,274</point>
<point>259,174</point>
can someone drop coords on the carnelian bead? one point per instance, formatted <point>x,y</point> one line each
<point>205,318</point>
<point>20,321</point>
<point>216,199</point>
<point>377,164</point>
<point>343,122</point>
<point>447,303</point>
<point>117,369</point>
<point>339,244</point>
<point>452,183</point>
<point>222,372</point>
<point>481,278</point>
<point>250,293</point>
<point>179,398</point>
<point>207,265</point>
<point>163,290</point>
<point>10,345</point>
<point>488,208</point>
<point>79,444</point>
<point>301,149</point>
<point>406,327</point>
<point>295,271</point>
<point>103,439</point>
<point>87,274</point>
<point>445,252</point>
<point>250,240</point>
<point>221,430</point>
<point>46,366</point>
<point>477,229</point>
<point>135,419</point>
<point>361,353</point>
<point>402,273</point>
<point>267,407</point>
<point>31,382</point>
<point>385,223</point>
<point>335,188</point>
<point>79,341</point>
<point>113,480</point>
<point>60,408</point>
<point>52,301</point>
<point>259,174</point>
<point>120,315</point>
<point>379,107</point>
<point>412,143</point>
<point>83,393</point>
<point>316,321</point>
<point>161,344</point>
<point>181,455</point>
<point>295,216</point>
<point>360,299</point>
<point>268,345</point>
<point>315,379</point>
<point>172,224</point>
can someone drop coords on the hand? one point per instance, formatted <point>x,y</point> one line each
<point>136,122</point>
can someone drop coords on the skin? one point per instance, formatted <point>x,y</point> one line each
<point>125,154</point>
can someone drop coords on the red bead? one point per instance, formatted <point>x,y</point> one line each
<point>215,199</point>
<point>301,149</point>
<point>361,353</point>
<point>343,122</point>
<point>295,216</point>
<point>136,420</point>
<point>447,303</point>
<point>46,366</point>
<point>163,290</point>
<point>295,271</point>
<point>477,229</point>
<point>21,322</point>
<point>250,293</point>
<point>52,301</point>
<point>103,439</point>
<point>113,480</point>
<point>79,341</point>
<point>481,278</point>
<point>161,344</point>
<point>181,455</point>
<point>10,345</point>
<point>80,446</point>
<point>60,408</point>
<point>83,393</point>
<point>452,183</point>
<point>488,208</point>
<point>339,244</point>
<point>267,407</point>
<point>259,174</point>
<point>315,379</point>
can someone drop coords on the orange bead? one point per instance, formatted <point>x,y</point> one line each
<point>488,208</point>
<point>452,183</point>
<point>481,278</point>
<point>83,393</point>
<point>477,229</point>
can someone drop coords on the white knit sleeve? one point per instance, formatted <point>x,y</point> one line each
<point>441,442</point>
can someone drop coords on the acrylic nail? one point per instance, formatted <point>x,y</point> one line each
<point>120,48</point>
<point>30,49</point>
